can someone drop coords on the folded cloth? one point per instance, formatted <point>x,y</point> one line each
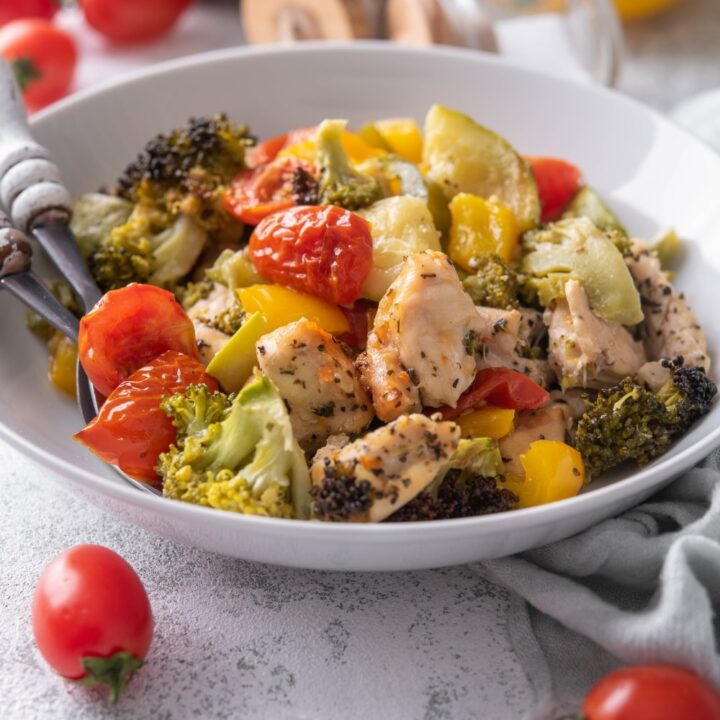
<point>638,588</point>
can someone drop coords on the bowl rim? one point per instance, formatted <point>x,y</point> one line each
<point>638,482</point>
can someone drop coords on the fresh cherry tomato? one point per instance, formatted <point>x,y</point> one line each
<point>501,387</point>
<point>131,429</point>
<point>91,617</point>
<point>321,250</point>
<point>128,328</point>
<point>268,150</point>
<point>256,193</point>
<point>652,692</point>
<point>43,58</point>
<point>129,21</point>
<point>17,9</point>
<point>558,181</point>
<point>360,316</point>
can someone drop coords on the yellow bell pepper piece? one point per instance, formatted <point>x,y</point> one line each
<point>357,149</point>
<point>233,365</point>
<point>490,422</point>
<point>63,362</point>
<point>478,226</point>
<point>280,306</point>
<point>553,471</point>
<point>403,136</point>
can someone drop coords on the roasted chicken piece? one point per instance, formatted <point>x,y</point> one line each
<point>371,478</point>
<point>585,350</point>
<point>210,340</point>
<point>421,348</point>
<point>504,334</point>
<point>317,380</point>
<point>671,327</point>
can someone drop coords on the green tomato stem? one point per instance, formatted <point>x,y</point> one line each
<point>114,671</point>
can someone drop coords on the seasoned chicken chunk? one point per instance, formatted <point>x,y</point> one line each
<point>420,351</point>
<point>547,424</point>
<point>317,380</point>
<point>210,340</point>
<point>671,327</point>
<point>584,349</point>
<point>371,478</point>
<point>504,333</point>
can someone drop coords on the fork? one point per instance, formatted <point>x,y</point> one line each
<point>38,205</point>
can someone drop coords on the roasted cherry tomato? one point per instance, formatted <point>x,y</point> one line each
<point>91,617</point>
<point>17,9</point>
<point>557,182</point>
<point>652,692</point>
<point>131,21</point>
<point>267,150</point>
<point>502,388</point>
<point>128,328</point>
<point>254,194</point>
<point>131,429</point>
<point>43,57</point>
<point>322,250</point>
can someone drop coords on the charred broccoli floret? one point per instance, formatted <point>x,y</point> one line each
<point>173,203</point>
<point>494,283</point>
<point>630,422</point>
<point>688,394</point>
<point>470,484</point>
<point>187,171</point>
<point>235,452</point>
<point>339,183</point>
<point>340,495</point>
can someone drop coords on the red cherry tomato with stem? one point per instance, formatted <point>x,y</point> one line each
<point>652,692</point>
<point>558,181</point>
<point>502,388</point>
<point>131,429</point>
<point>91,617</point>
<point>43,57</point>
<point>130,21</point>
<point>321,250</point>
<point>128,328</point>
<point>18,9</point>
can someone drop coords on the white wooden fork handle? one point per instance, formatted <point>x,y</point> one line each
<point>32,193</point>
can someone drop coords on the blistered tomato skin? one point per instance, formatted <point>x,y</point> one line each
<point>128,328</point>
<point>131,429</point>
<point>321,250</point>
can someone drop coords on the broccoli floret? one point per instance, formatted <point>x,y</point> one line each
<point>688,393</point>
<point>150,247</point>
<point>339,183</point>
<point>175,192</point>
<point>235,452</point>
<point>230,319</point>
<point>470,484</point>
<point>187,171</point>
<point>340,495</point>
<point>630,422</point>
<point>193,292</point>
<point>494,284</point>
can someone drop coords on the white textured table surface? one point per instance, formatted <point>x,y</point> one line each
<point>235,639</point>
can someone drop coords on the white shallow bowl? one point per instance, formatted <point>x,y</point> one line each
<point>653,174</point>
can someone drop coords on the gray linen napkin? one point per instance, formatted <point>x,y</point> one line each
<point>633,589</point>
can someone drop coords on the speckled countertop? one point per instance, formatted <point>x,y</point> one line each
<point>238,640</point>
